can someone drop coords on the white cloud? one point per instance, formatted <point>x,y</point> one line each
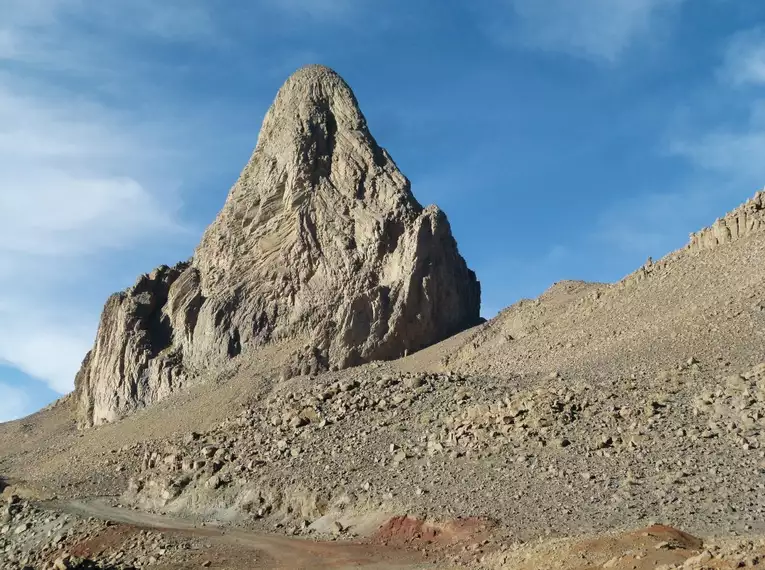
<point>744,61</point>
<point>43,349</point>
<point>54,212</point>
<point>14,403</point>
<point>78,179</point>
<point>737,153</point>
<point>733,151</point>
<point>49,33</point>
<point>653,223</point>
<point>68,194</point>
<point>67,178</point>
<point>725,160</point>
<point>8,48</point>
<point>725,168</point>
<point>593,29</point>
<point>724,165</point>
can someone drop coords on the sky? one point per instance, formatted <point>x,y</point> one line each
<point>564,139</point>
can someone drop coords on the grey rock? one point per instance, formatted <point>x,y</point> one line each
<point>319,240</point>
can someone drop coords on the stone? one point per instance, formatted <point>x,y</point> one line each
<point>214,482</point>
<point>320,240</point>
<point>298,421</point>
<point>208,451</point>
<point>414,382</point>
<point>604,442</point>
<point>694,561</point>
<point>399,456</point>
<point>348,385</point>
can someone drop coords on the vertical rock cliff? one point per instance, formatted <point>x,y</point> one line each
<point>320,240</point>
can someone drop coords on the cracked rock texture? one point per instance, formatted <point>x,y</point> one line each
<point>320,241</point>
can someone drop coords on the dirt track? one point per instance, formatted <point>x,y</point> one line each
<point>256,549</point>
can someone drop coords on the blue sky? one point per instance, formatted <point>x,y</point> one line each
<point>565,139</point>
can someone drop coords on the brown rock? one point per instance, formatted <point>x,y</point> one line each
<point>320,239</point>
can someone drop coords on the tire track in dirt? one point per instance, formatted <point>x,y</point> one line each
<point>272,551</point>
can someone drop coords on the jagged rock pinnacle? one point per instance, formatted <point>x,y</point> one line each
<point>320,240</point>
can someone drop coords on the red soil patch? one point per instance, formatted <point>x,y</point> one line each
<point>408,530</point>
<point>110,539</point>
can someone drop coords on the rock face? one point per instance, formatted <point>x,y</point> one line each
<point>747,218</point>
<point>320,240</point>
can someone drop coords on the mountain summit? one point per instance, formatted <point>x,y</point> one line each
<point>320,242</point>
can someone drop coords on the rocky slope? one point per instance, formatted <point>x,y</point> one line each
<point>34,538</point>
<point>594,408</point>
<point>699,300</point>
<point>320,240</point>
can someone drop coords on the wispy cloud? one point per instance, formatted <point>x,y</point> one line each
<point>39,343</point>
<point>79,179</point>
<point>723,166</point>
<point>653,223</point>
<point>67,176</point>
<point>744,61</point>
<point>13,403</point>
<point>599,30</point>
<point>733,148</point>
<point>318,9</point>
<point>735,153</point>
<point>68,194</point>
<point>78,36</point>
<point>723,160</point>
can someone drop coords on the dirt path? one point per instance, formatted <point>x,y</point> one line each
<point>269,551</point>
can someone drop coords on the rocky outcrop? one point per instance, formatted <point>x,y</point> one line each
<point>747,218</point>
<point>320,240</point>
<point>134,361</point>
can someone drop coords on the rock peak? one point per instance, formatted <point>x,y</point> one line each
<point>313,98</point>
<point>315,73</point>
<point>320,243</point>
<point>317,84</point>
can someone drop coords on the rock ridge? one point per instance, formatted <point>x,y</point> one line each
<point>746,219</point>
<point>320,240</point>
<point>749,217</point>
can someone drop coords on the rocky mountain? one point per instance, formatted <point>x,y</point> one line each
<point>320,243</point>
<point>532,441</point>
<point>578,430</point>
